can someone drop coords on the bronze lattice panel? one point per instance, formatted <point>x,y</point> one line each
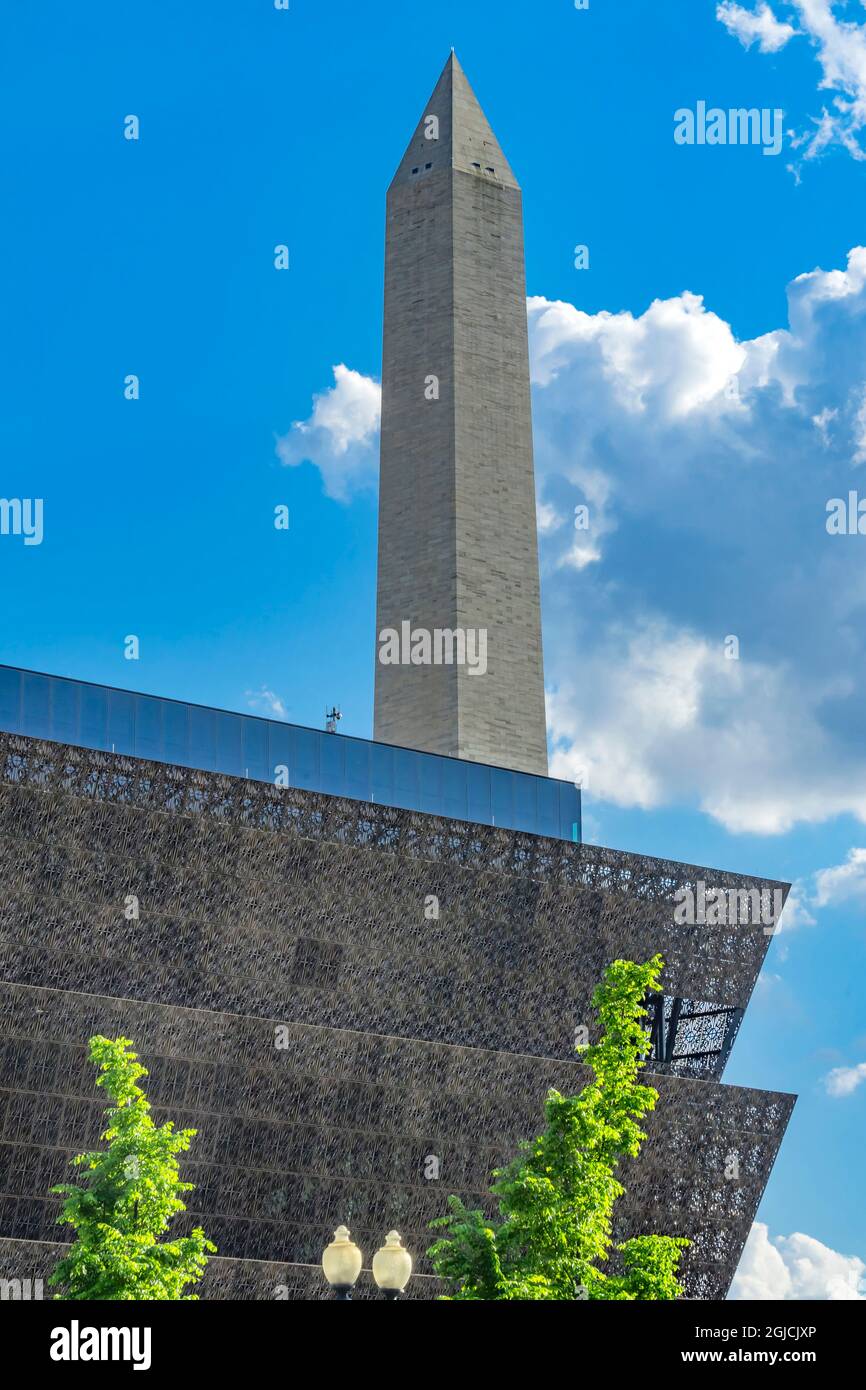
<point>405,1037</point>
<point>337,1126</point>
<point>284,902</point>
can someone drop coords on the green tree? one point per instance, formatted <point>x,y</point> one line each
<point>128,1196</point>
<point>556,1197</point>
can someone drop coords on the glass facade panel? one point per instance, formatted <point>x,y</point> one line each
<point>279,753</point>
<point>121,722</point>
<point>502,797</point>
<point>382,773</point>
<point>229,752</point>
<point>175,732</point>
<point>569,812</point>
<point>306,760</point>
<point>406,779</point>
<point>256,765</point>
<point>202,738</point>
<point>172,731</point>
<point>525,808</point>
<point>480,807</point>
<point>36,706</point>
<point>332,756</point>
<point>359,783</point>
<point>93,716</point>
<point>10,698</point>
<point>64,711</point>
<point>548,807</point>
<point>455,796</point>
<point>429,785</point>
<point>148,728</point>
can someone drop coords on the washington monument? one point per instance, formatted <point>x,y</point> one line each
<point>458,549</point>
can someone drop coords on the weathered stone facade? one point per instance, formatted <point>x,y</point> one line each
<point>458,547</point>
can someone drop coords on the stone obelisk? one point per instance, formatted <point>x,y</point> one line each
<point>458,547</point>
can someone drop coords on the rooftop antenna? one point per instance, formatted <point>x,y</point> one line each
<point>332,719</point>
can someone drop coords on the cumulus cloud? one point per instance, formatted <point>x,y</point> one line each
<point>631,717</point>
<point>661,715</point>
<point>796,913</point>
<point>548,519</point>
<point>759,25</point>
<point>796,1267</point>
<point>703,633</point>
<point>843,882</point>
<point>672,359</point>
<point>843,1081</point>
<point>265,702</point>
<point>707,481</point>
<point>340,436</point>
<point>840,49</point>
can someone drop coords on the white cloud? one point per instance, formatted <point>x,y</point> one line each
<point>341,434</point>
<point>696,456</point>
<point>826,888</point>
<point>860,428</point>
<point>639,693</point>
<point>660,715</point>
<point>840,49</point>
<point>811,290</point>
<point>580,554</point>
<point>750,25</point>
<point>843,882</point>
<point>265,702</point>
<point>796,912</point>
<point>822,422</point>
<point>843,1081</point>
<point>796,1267</point>
<point>548,519</point>
<point>673,359</point>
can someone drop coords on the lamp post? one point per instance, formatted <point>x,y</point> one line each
<point>341,1262</point>
<point>392,1266</point>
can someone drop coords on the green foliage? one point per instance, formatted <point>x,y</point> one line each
<point>128,1196</point>
<point>556,1197</point>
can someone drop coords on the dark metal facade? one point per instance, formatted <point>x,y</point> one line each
<point>334,995</point>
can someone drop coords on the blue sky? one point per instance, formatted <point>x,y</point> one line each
<point>155,257</point>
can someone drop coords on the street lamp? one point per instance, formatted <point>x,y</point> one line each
<point>341,1262</point>
<point>392,1266</point>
